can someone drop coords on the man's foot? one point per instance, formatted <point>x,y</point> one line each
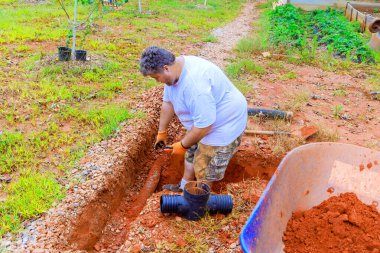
<point>172,187</point>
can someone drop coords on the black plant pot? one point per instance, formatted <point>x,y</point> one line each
<point>80,55</point>
<point>64,53</point>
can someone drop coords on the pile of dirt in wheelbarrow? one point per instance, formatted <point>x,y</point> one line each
<point>339,224</point>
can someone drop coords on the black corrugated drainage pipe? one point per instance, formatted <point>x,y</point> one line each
<point>268,113</point>
<point>195,202</point>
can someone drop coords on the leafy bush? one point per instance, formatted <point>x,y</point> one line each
<point>290,27</point>
<point>287,27</point>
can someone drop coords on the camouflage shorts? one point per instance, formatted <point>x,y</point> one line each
<point>210,162</point>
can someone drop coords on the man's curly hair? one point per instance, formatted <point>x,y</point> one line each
<point>153,60</point>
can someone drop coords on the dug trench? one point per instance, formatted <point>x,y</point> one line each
<point>103,223</point>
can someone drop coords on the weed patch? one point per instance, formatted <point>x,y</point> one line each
<point>340,92</point>
<point>209,38</point>
<point>297,101</point>
<point>243,86</point>
<point>325,134</point>
<point>244,66</point>
<point>337,110</point>
<point>31,195</point>
<point>288,76</point>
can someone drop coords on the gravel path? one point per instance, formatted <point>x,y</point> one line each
<point>229,36</point>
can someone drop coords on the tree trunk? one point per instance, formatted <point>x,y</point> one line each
<point>74,30</point>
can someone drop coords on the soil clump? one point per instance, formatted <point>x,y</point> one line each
<point>339,224</point>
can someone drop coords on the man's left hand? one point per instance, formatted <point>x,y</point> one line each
<point>178,149</point>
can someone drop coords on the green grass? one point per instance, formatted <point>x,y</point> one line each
<point>210,38</point>
<point>288,76</point>
<point>337,110</point>
<point>108,119</point>
<point>259,41</point>
<point>246,45</point>
<point>19,151</point>
<point>103,120</point>
<point>374,83</point>
<point>243,86</point>
<point>244,66</point>
<point>33,193</point>
<point>33,22</point>
<point>340,92</point>
<point>113,86</point>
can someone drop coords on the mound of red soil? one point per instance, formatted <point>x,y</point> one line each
<point>340,224</point>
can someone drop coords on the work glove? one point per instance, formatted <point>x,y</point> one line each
<point>161,139</point>
<point>176,149</point>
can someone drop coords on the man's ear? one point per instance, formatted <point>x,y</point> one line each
<point>165,67</point>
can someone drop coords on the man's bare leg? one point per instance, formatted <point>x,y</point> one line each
<point>188,174</point>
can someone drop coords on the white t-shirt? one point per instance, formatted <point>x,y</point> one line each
<point>204,96</point>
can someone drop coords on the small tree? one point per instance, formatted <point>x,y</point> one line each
<point>74,22</point>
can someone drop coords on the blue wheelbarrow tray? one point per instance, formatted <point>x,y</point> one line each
<point>306,177</point>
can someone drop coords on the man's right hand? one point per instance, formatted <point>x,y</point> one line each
<point>161,140</point>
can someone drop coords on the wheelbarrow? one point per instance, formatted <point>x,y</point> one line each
<point>305,177</point>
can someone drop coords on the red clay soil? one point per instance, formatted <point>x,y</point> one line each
<point>340,224</point>
<point>308,131</point>
<point>153,231</point>
<point>247,163</point>
<point>118,224</point>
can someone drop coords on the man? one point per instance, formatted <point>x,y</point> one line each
<point>211,108</point>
